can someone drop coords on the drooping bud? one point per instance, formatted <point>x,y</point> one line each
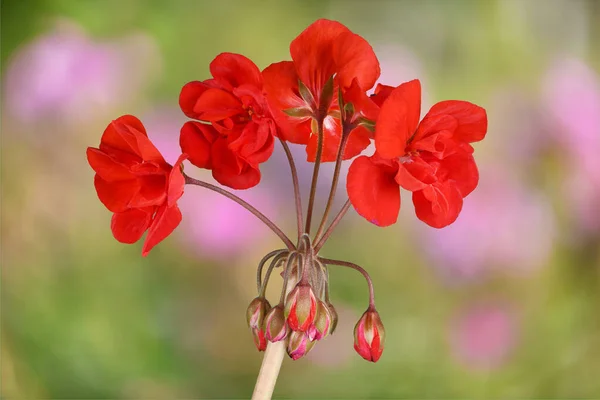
<point>299,345</point>
<point>255,315</point>
<point>259,339</point>
<point>334,318</point>
<point>276,328</point>
<point>256,312</point>
<point>301,308</point>
<point>369,336</point>
<point>320,328</point>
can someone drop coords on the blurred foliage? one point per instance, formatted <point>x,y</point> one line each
<point>86,317</point>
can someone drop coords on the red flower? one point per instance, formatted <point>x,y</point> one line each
<point>433,158</point>
<point>325,50</point>
<point>134,181</point>
<point>241,131</point>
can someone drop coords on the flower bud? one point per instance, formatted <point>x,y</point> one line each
<point>256,312</point>
<point>334,318</point>
<point>369,336</point>
<point>276,328</point>
<point>299,345</point>
<point>301,308</point>
<point>259,339</point>
<point>320,328</point>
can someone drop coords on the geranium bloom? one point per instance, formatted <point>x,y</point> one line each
<point>135,182</point>
<point>433,159</point>
<point>241,133</point>
<point>299,93</point>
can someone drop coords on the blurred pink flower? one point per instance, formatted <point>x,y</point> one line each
<point>65,75</point>
<point>483,336</point>
<point>213,226</point>
<point>503,227</point>
<point>572,95</point>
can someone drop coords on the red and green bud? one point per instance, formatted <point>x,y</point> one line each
<point>301,308</point>
<point>369,336</point>
<point>299,345</point>
<point>256,312</point>
<point>276,328</point>
<point>259,339</point>
<point>334,318</point>
<point>320,328</point>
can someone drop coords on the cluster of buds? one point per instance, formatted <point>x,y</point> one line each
<point>304,314</point>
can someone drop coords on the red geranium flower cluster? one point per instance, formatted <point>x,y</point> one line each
<point>319,100</point>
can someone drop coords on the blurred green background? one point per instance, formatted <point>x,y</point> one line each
<point>502,304</point>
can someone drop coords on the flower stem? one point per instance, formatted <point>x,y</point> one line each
<point>334,182</point>
<point>334,223</point>
<point>315,177</point>
<point>258,214</point>
<point>359,269</point>
<point>297,195</point>
<point>262,263</point>
<point>274,264</point>
<point>269,370</point>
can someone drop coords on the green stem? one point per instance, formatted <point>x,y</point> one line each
<point>297,196</point>
<point>315,177</point>
<point>358,268</point>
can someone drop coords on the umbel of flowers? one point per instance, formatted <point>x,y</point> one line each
<point>318,100</point>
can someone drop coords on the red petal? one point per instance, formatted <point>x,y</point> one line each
<point>358,141</point>
<point>233,70</point>
<point>129,226</point>
<point>415,175</point>
<point>373,192</point>
<point>363,104</point>
<point>176,181</point>
<point>467,121</point>
<point>398,119</point>
<point>152,191</point>
<point>116,195</point>
<point>355,59</point>
<point>165,221</point>
<point>255,143</point>
<point>190,93</point>
<point>196,140</point>
<point>107,167</point>
<point>438,205</point>
<point>217,104</point>
<point>113,134</point>
<point>312,52</point>
<point>281,87</point>
<point>128,137</point>
<point>460,168</point>
<point>230,170</point>
<point>382,92</point>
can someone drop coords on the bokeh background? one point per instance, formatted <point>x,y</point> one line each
<point>503,304</point>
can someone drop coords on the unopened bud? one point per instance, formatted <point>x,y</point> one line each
<point>334,318</point>
<point>301,308</point>
<point>369,336</point>
<point>276,328</point>
<point>320,328</point>
<point>259,339</point>
<point>256,312</point>
<point>299,345</point>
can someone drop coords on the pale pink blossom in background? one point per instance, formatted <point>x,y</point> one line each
<point>572,96</point>
<point>483,336</point>
<point>64,75</point>
<point>520,133</point>
<point>504,227</point>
